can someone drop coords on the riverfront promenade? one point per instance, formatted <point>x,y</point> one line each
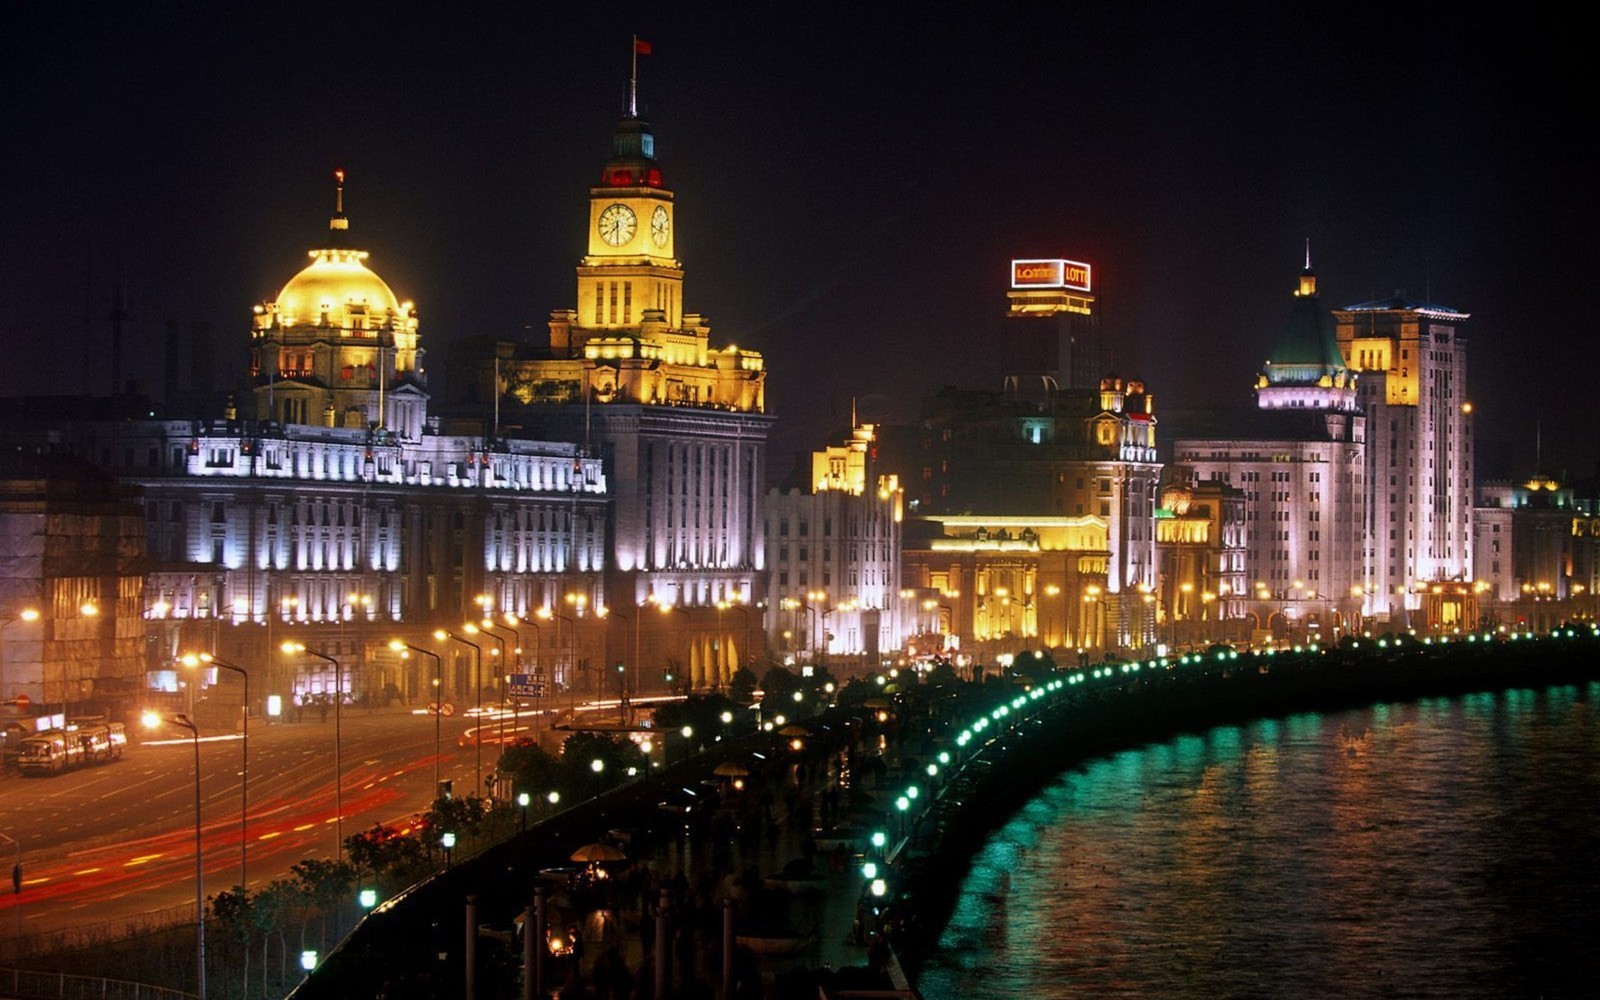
<point>655,927</point>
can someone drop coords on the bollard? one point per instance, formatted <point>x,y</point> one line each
<point>663,948</point>
<point>472,948</point>
<point>539,932</point>
<point>728,911</point>
<point>529,956</point>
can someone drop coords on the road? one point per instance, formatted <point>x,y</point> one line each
<point>114,841</point>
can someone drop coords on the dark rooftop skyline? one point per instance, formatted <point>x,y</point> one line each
<point>850,187</point>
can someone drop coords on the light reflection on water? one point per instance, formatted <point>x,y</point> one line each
<point>1448,847</point>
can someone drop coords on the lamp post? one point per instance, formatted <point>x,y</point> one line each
<point>25,615</point>
<point>579,603</point>
<point>506,669</point>
<point>358,608</point>
<point>631,677</point>
<point>815,599</point>
<point>286,606</point>
<point>477,682</point>
<point>151,721</point>
<point>572,646</point>
<point>513,621</point>
<point>733,604</point>
<point>499,651</point>
<point>668,609</point>
<point>338,742</point>
<point>400,646</point>
<point>244,769</point>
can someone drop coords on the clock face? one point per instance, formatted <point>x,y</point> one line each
<point>617,224</point>
<point>660,227</point>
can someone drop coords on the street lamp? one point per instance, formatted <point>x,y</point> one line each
<point>401,647</point>
<point>191,660</point>
<point>25,615</point>
<point>630,678</point>
<point>504,678</point>
<point>572,653</point>
<point>151,721</point>
<point>499,651</point>
<point>737,603</point>
<point>816,597</point>
<point>477,682</point>
<point>338,742</point>
<point>512,621</point>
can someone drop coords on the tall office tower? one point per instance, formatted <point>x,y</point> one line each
<point>1054,336</point>
<point>1411,361</point>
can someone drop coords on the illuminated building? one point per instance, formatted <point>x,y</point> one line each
<point>1535,551</point>
<point>1411,359</point>
<point>1300,461</point>
<point>1081,461</point>
<point>1200,543</point>
<point>336,348</point>
<point>681,425</point>
<point>1003,583</point>
<point>72,552</point>
<point>343,512</point>
<point>833,558</point>
<point>1057,339</point>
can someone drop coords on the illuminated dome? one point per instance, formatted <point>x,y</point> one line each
<point>340,286</point>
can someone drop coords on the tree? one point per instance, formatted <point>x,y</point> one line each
<point>777,684</point>
<point>458,816</point>
<point>535,770</point>
<point>385,851</point>
<point>230,910</point>
<point>326,885</point>
<point>615,754</point>
<point>742,686</point>
<point>702,712</point>
<point>269,911</point>
<point>857,690</point>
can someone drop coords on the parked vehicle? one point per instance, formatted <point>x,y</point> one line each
<point>80,743</point>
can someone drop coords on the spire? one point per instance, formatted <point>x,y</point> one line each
<point>1308,277</point>
<point>338,224</point>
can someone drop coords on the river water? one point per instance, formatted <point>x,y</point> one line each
<point>1443,848</point>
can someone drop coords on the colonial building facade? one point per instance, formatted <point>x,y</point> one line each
<point>1017,479</point>
<point>680,426</point>
<point>343,515</point>
<point>833,557</point>
<point>1300,462</point>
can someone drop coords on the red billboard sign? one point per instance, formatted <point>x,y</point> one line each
<point>1050,274</point>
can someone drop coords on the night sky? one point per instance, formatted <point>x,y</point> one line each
<point>851,185</point>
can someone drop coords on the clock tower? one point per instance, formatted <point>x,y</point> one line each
<point>630,268</point>
<point>680,425</point>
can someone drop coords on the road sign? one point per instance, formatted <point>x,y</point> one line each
<point>527,686</point>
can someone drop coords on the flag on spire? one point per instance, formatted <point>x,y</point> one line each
<point>640,48</point>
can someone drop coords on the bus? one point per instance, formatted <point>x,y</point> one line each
<point>79,744</point>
